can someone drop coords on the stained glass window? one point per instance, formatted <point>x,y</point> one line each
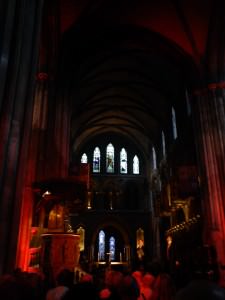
<point>123,161</point>
<point>96,160</point>
<point>112,248</point>
<point>110,158</point>
<point>174,123</point>
<point>188,103</point>
<point>154,162</point>
<point>135,165</point>
<point>101,245</point>
<point>84,158</point>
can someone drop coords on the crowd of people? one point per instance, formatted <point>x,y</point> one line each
<point>149,283</point>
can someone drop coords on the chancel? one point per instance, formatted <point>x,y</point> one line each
<point>113,135</point>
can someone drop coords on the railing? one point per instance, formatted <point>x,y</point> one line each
<point>34,259</point>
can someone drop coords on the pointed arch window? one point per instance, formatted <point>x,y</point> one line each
<point>136,165</point>
<point>101,245</point>
<point>123,161</point>
<point>163,144</point>
<point>112,248</point>
<point>84,158</point>
<point>96,160</point>
<point>174,123</point>
<point>154,161</point>
<point>110,158</point>
<point>188,103</point>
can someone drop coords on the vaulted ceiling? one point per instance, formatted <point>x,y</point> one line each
<point>126,63</point>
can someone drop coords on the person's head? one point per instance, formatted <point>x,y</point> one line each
<point>65,277</point>
<point>138,277</point>
<point>113,279</point>
<point>87,278</point>
<point>81,291</point>
<point>15,288</point>
<point>130,288</point>
<point>155,268</point>
<point>148,280</point>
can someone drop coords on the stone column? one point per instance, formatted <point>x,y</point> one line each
<point>55,151</point>
<point>210,125</point>
<point>18,58</point>
<point>209,110</point>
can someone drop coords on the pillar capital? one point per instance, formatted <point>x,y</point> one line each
<point>211,87</point>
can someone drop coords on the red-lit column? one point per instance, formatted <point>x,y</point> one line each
<point>47,153</point>
<point>18,57</point>
<point>35,169</point>
<point>25,229</point>
<point>40,162</point>
<point>210,118</point>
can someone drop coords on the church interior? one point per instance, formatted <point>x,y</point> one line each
<point>113,134</point>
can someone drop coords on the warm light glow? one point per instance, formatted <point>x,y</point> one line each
<point>81,232</point>
<point>140,238</point>
<point>169,240</point>
<point>140,244</point>
<point>34,230</point>
<point>46,193</point>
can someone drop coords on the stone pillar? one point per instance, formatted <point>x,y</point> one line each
<point>210,125</point>
<point>46,156</point>
<point>156,238</point>
<point>37,157</point>
<point>24,234</point>
<point>127,254</point>
<point>18,59</point>
<point>209,110</point>
<point>55,151</point>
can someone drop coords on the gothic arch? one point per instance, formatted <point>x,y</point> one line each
<point>114,223</point>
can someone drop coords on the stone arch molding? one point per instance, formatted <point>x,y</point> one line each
<point>113,223</point>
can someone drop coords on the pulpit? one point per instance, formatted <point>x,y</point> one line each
<point>59,250</point>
